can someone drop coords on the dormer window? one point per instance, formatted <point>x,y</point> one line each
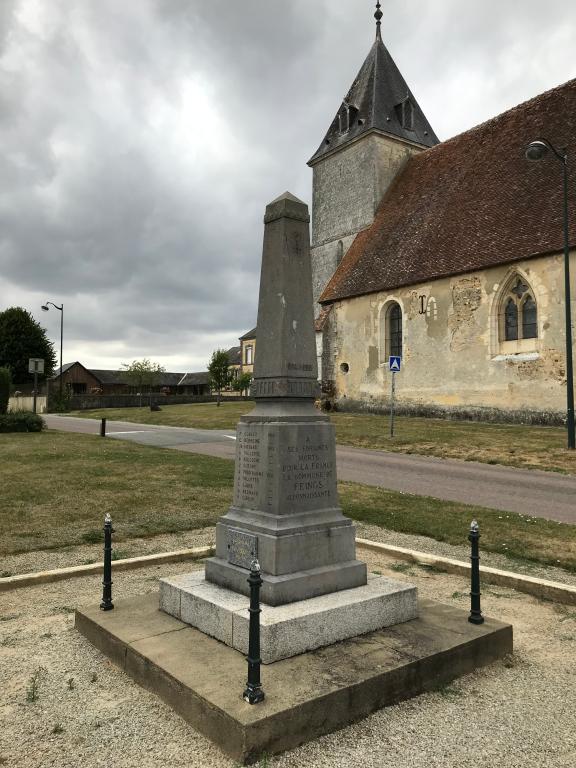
<point>347,117</point>
<point>405,114</point>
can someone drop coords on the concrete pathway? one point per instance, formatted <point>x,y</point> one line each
<point>530,492</point>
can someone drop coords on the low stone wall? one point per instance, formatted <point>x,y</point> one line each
<point>461,412</point>
<point>93,402</point>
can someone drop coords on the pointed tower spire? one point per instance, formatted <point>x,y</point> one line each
<point>378,100</point>
<point>378,16</point>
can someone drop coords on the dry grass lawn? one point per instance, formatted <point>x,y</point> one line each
<point>57,486</point>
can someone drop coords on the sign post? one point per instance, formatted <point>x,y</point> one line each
<point>35,366</point>
<point>394,365</point>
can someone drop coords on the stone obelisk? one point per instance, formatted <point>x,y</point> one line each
<point>285,510</point>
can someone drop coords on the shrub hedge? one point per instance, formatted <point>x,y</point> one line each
<point>21,421</point>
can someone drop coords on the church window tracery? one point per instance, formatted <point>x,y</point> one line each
<point>520,315</point>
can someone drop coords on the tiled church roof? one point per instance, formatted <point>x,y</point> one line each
<point>469,203</point>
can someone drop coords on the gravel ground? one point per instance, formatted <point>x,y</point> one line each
<point>517,713</point>
<point>492,559</point>
<point>42,560</point>
<point>47,559</point>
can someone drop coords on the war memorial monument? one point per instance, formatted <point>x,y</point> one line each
<point>337,642</point>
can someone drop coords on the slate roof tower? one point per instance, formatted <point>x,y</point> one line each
<point>378,126</point>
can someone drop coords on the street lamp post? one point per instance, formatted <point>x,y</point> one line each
<point>535,151</point>
<point>46,308</point>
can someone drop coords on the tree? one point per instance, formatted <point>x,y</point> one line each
<point>219,371</point>
<point>21,338</point>
<point>5,383</point>
<point>142,374</point>
<point>242,383</point>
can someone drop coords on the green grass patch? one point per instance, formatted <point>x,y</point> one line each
<point>529,447</point>
<point>198,415</point>
<point>517,537</point>
<point>515,445</point>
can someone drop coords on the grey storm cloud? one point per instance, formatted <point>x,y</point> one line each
<point>140,141</point>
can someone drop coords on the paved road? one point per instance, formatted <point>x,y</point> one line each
<point>529,492</point>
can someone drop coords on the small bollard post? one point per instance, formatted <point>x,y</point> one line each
<point>475,612</point>
<point>107,604</point>
<point>254,693</point>
<point>103,428</point>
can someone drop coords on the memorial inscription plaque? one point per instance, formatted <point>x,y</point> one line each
<point>308,472</point>
<point>242,548</point>
<point>250,468</point>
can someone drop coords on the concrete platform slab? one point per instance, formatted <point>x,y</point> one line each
<point>288,630</point>
<point>307,695</point>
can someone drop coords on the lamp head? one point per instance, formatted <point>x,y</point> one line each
<point>45,308</point>
<point>537,150</point>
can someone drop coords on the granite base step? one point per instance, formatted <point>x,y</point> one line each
<point>288,630</point>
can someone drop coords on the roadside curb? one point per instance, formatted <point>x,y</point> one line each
<point>547,590</point>
<point>46,577</point>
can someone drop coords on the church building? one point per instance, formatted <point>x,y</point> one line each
<point>449,254</point>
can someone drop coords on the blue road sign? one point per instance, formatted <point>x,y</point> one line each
<point>394,362</point>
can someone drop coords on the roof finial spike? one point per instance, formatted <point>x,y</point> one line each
<point>378,15</point>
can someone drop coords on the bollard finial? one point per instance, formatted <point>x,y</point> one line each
<point>107,518</point>
<point>474,526</point>
<point>255,565</point>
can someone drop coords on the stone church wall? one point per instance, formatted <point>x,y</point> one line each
<point>453,355</point>
<point>348,187</point>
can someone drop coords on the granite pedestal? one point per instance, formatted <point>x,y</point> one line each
<point>288,630</point>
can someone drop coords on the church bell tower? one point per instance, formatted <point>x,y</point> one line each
<point>378,126</point>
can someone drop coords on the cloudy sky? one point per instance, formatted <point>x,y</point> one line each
<point>140,141</point>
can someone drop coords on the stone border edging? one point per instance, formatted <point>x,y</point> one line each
<point>46,577</point>
<point>549,590</point>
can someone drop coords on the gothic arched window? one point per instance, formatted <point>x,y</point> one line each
<point>390,331</point>
<point>394,330</point>
<point>520,313</point>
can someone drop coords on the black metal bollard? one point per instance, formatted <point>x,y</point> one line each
<point>475,612</point>
<point>103,428</point>
<point>254,693</point>
<point>107,604</point>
